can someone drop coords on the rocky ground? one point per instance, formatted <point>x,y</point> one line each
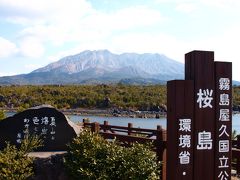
<point>161,112</point>
<point>117,113</point>
<point>49,165</point>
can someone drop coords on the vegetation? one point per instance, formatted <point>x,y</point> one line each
<point>84,96</point>
<point>234,135</point>
<point>2,115</point>
<point>92,157</point>
<point>90,96</point>
<point>236,95</point>
<point>14,162</point>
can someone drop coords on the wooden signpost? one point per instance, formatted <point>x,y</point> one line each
<point>223,76</point>
<point>202,102</point>
<point>180,126</point>
<point>199,67</point>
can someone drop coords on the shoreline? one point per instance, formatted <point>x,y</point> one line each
<point>109,112</point>
<point>114,113</point>
<point>106,112</point>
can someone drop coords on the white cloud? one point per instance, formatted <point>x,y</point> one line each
<point>225,47</point>
<point>47,33</point>
<point>128,18</point>
<point>135,42</point>
<point>32,66</point>
<point>216,3</point>
<point>153,43</point>
<point>186,7</point>
<point>229,5</point>
<point>31,47</point>
<point>174,1</point>
<point>224,4</point>
<point>91,25</point>
<point>7,48</point>
<point>57,22</point>
<point>40,11</point>
<point>28,47</point>
<point>7,73</point>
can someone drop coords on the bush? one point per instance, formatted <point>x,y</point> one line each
<point>137,162</point>
<point>2,115</point>
<point>92,157</point>
<point>20,109</point>
<point>14,162</point>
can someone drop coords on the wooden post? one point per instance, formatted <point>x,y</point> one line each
<point>129,129</point>
<point>84,125</point>
<point>164,159</point>
<point>95,127</point>
<point>238,141</point>
<point>180,130</point>
<point>223,143</point>
<point>199,67</point>
<point>160,151</point>
<point>159,138</point>
<point>105,126</point>
<point>238,160</point>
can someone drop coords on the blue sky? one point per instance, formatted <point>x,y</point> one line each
<point>36,33</point>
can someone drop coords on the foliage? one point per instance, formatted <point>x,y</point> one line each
<point>92,157</point>
<point>236,95</point>
<point>20,109</point>
<point>84,96</point>
<point>137,162</point>
<point>2,115</point>
<point>14,162</point>
<point>234,135</point>
<point>90,96</point>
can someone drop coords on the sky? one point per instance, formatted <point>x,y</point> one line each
<point>34,33</point>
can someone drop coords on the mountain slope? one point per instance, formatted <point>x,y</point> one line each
<point>102,67</point>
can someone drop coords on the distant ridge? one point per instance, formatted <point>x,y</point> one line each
<point>102,66</point>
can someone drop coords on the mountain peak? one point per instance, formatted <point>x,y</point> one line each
<point>104,65</point>
<point>101,51</point>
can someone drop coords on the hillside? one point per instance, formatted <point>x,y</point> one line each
<point>96,67</point>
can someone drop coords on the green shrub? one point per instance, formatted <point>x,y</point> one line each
<point>92,157</point>
<point>20,109</point>
<point>2,115</point>
<point>14,162</point>
<point>138,162</point>
<point>234,135</point>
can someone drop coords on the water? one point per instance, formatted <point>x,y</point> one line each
<point>236,123</point>
<point>149,123</point>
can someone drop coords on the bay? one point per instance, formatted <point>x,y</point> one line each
<point>149,123</point>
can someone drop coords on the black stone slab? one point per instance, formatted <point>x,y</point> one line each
<point>48,123</point>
